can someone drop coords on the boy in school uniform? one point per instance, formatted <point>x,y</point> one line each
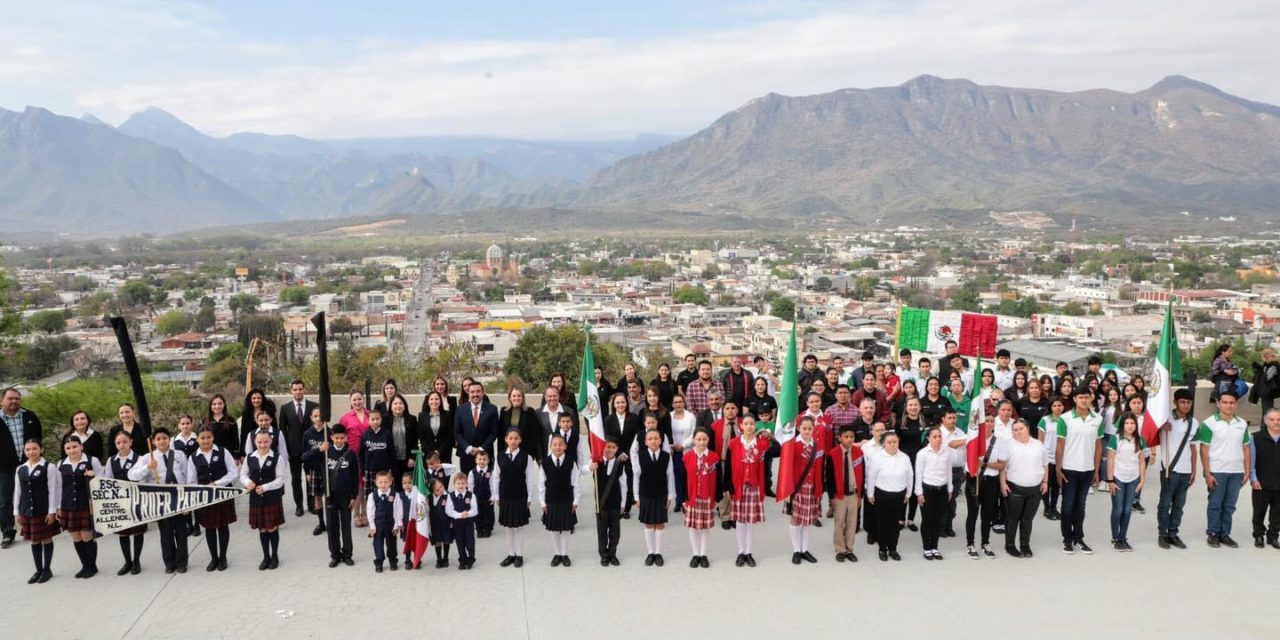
<point>609,472</point>
<point>462,507</point>
<point>164,465</point>
<point>405,496</point>
<point>342,482</point>
<point>184,442</point>
<point>844,486</point>
<point>478,482</point>
<point>385,514</point>
<point>437,470</point>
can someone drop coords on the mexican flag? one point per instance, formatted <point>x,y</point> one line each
<point>589,402</point>
<point>416,538</point>
<point>924,330</point>
<point>1168,370</point>
<point>788,394</point>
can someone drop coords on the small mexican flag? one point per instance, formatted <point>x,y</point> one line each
<point>1168,370</point>
<point>416,539</point>
<point>923,330</point>
<point>589,402</point>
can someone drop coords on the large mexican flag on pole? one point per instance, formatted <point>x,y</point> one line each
<point>924,330</point>
<point>589,402</point>
<point>1167,371</point>
<point>788,393</point>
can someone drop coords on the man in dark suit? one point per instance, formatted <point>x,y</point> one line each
<point>294,420</point>
<point>475,427</point>
<point>713,412</point>
<point>549,415</point>
<point>17,425</point>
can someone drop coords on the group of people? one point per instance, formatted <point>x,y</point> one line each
<point>879,445</point>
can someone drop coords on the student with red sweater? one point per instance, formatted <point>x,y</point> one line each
<point>702,469</point>
<point>800,487</point>
<point>744,466</point>
<point>844,473</point>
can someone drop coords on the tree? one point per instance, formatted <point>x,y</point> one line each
<point>783,308</point>
<point>136,293</point>
<point>44,354</point>
<point>230,351</point>
<point>296,296</point>
<point>95,304</point>
<point>1072,308</point>
<point>243,303</point>
<point>690,295</point>
<point>542,351</point>
<point>268,328</point>
<point>174,322</point>
<point>48,321</point>
<point>823,283</point>
<point>1243,355</point>
<point>205,319</point>
<point>965,299</point>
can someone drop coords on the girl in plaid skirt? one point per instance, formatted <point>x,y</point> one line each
<point>745,484</point>
<point>213,466</point>
<point>264,474</point>
<point>118,468</point>
<point>74,472</point>
<point>702,468</point>
<point>799,486</point>
<point>36,506</point>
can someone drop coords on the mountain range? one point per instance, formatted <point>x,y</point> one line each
<point>927,147</point>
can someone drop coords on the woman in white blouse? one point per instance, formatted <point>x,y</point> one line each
<point>1023,479</point>
<point>933,490</point>
<point>888,488</point>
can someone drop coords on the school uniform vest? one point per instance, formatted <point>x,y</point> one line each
<point>1268,462</point>
<point>120,468</point>
<point>262,473</point>
<point>571,446</point>
<point>511,480</point>
<point>384,511</point>
<point>481,481</point>
<point>378,449</point>
<point>211,470</point>
<point>611,497</point>
<point>462,503</point>
<point>559,479</point>
<point>253,441</point>
<point>187,448</point>
<point>75,486</point>
<point>653,475</point>
<point>34,498</point>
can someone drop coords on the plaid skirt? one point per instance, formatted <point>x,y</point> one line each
<point>266,516</point>
<point>653,510</point>
<point>513,513</point>
<point>804,506</point>
<point>560,517</point>
<point>218,515</point>
<point>315,483</point>
<point>76,520</point>
<point>749,507</point>
<point>35,528</point>
<point>699,514</point>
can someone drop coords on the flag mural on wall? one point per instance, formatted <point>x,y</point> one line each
<point>928,331</point>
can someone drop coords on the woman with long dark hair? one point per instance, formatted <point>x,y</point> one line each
<point>404,435</point>
<point>223,427</point>
<point>389,390</point>
<point>665,384</point>
<point>435,426</point>
<point>525,420</point>
<point>933,404</point>
<point>254,402</point>
<point>90,440</point>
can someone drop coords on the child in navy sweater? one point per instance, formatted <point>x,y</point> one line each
<point>478,482</point>
<point>462,506</point>
<point>377,451</point>
<point>441,526</point>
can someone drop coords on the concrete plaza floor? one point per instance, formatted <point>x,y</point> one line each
<point>1197,593</point>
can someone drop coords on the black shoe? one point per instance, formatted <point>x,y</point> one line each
<point>1214,541</point>
<point>1163,541</point>
<point>1274,543</point>
<point>998,528</point>
<point>1228,542</point>
<point>1025,551</point>
<point>564,562</point>
<point>973,553</point>
<point>35,577</point>
<point>679,509</point>
<point>725,524</point>
<point>657,560</point>
<point>170,570</point>
<point>441,563</point>
<point>275,564</point>
<point>7,541</point>
<point>1177,542</point>
<point>604,561</point>
<point>851,556</point>
<point>1053,515</point>
<point>555,561</point>
<point>928,555</point>
<point>334,563</point>
<point>613,561</point>
<point>769,493</point>
<point>950,533</point>
<point>90,572</point>
<point>986,551</point>
<point>1068,548</point>
<point>884,555</point>
<point>377,568</point>
<point>695,562</point>
<point>1012,551</point>
<point>751,560</point>
<point>1138,508</point>
<point>648,560</point>
<point>507,561</point>
<point>213,565</point>
<point>1084,548</point>
<point>182,568</point>
<point>396,567</point>
<point>80,573</point>
<point>839,557</point>
<point>706,564</point>
<point>298,512</point>
<point>462,564</point>
<point>795,558</point>
<point>807,557</point>
<point>912,526</point>
<point>625,515</point>
<point>893,555</point>
<point>519,562</point>
<point>128,566</point>
<point>318,530</point>
<point>195,532</point>
<point>1257,542</point>
<point>817,522</point>
<point>136,568</point>
<point>262,566</point>
<point>222,564</point>
<point>741,560</point>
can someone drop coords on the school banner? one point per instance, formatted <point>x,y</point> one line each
<point>119,504</point>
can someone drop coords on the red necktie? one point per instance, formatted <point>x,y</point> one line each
<point>475,414</point>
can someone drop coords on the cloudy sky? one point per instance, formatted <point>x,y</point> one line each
<point>570,69</point>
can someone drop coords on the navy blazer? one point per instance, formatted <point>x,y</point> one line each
<point>467,433</point>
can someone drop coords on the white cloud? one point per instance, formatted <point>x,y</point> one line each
<point>173,56</point>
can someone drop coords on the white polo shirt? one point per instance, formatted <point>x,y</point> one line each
<point>1169,441</point>
<point>1025,462</point>
<point>1226,442</point>
<point>1081,437</point>
<point>1126,463</point>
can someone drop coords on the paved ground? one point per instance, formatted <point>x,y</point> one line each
<point>1201,592</point>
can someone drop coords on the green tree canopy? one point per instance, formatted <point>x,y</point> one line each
<point>49,321</point>
<point>783,308</point>
<point>542,351</point>
<point>690,295</point>
<point>174,322</point>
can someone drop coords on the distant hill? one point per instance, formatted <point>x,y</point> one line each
<point>60,174</point>
<point>935,145</point>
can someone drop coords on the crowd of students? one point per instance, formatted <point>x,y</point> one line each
<point>878,445</point>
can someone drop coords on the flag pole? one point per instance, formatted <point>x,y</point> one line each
<point>322,354</point>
